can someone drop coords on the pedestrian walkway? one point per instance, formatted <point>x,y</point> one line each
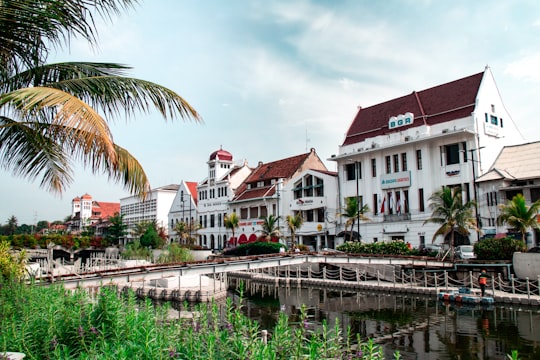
<point>293,278</point>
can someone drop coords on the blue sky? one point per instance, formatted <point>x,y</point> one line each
<point>272,79</point>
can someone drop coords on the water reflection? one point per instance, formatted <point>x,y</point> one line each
<point>419,327</point>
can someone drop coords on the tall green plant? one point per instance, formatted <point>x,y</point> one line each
<point>294,222</point>
<point>230,221</point>
<point>353,212</point>
<point>12,264</point>
<point>452,214</point>
<point>270,228</point>
<point>517,215</point>
<point>56,113</point>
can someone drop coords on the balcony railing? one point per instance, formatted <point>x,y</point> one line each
<point>397,217</point>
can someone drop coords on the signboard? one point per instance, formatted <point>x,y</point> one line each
<point>401,120</point>
<point>396,180</point>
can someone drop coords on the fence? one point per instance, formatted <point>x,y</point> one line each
<point>438,280</point>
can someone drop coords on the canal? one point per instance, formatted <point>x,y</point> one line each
<point>418,327</point>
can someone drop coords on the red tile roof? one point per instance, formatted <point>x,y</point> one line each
<point>192,186</point>
<point>435,105</point>
<point>104,209</point>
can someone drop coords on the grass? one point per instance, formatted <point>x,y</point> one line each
<point>54,323</point>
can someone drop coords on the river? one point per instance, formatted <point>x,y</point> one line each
<point>418,327</point>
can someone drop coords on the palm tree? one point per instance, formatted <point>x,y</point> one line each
<point>294,222</point>
<point>519,216</point>
<point>182,230</point>
<point>353,213</point>
<point>452,214</point>
<point>270,227</point>
<point>52,114</point>
<point>231,222</point>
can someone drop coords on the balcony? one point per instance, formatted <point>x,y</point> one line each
<point>397,217</point>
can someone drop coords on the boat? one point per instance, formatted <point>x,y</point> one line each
<point>464,296</point>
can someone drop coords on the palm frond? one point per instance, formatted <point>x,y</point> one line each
<point>27,152</point>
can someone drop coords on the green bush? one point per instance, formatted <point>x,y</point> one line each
<point>498,249</point>
<point>255,248</point>
<point>175,253</point>
<point>380,248</point>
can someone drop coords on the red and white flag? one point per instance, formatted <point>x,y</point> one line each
<point>382,206</point>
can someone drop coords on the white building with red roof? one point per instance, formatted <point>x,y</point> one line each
<point>213,196</point>
<point>268,190</point>
<point>183,208</point>
<point>397,153</point>
<point>87,213</point>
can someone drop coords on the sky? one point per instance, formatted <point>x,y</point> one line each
<point>272,79</point>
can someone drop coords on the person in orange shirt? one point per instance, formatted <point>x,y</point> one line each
<point>482,281</point>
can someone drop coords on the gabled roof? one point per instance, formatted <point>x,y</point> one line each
<point>269,173</point>
<point>516,162</point>
<point>435,105</point>
<point>192,187</point>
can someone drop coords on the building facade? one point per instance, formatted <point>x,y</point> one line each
<point>183,209</point>
<point>268,190</point>
<point>396,154</point>
<point>90,215</point>
<point>515,171</point>
<point>154,208</point>
<point>214,193</point>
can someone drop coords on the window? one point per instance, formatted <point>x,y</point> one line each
<point>373,167</point>
<point>452,154</point>
<point>388,165</point>
<point>320,215</point>
<point>403,161</point>
<point>254,213</point>
<point>501,122</point>
<point>396,163</point>
<point>309,216</point>
<point>243,213</point>
<point>350,172</point>
<point>319,187</point>
<point>264,211</point>
<point>405,202</point>
<point>308,186</point>
<point>297,189</point>
<point>421,200</point>
<point>494,120</point>
<point>375,204</point>
<point>212,220</point>
<point>419,159</point>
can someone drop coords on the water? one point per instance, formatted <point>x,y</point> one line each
<point>418,327</point>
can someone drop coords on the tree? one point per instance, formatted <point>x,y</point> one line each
<point>270,227</point>
<point>294,222</point>
<point>184,232</point>
<point>231,222</point>
<point>117,230</point>
<point>520,217</point>
<point>452,214</point>
<point>353,213</point>
<point>53,114</point>
<point>150,238</point>
<point>12,225</point>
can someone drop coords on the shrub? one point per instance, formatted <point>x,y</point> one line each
<point>498,249</point>
<point>255,248</point>
<point>381,248</point>
<point>175,253</point>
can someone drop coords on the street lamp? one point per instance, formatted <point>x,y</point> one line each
<point>475,190</point>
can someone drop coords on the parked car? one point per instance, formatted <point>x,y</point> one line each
<point>465,252</point>
<point>431,249</point>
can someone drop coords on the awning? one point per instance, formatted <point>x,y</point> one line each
<point>242,239</point>
<point>252,238</point>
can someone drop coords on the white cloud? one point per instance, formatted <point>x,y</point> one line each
<point>526,68</point>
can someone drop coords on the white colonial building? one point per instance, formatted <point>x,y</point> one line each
<point>270,190</point>
<point>155,207</point>
<point>313,193</point>
<point>214,194</point>
<point>397,153</point>
<point>183,208</point>
<point>515,171</point>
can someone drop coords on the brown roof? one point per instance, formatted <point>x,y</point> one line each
<point>280,169</point>
<point>435,105</point>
